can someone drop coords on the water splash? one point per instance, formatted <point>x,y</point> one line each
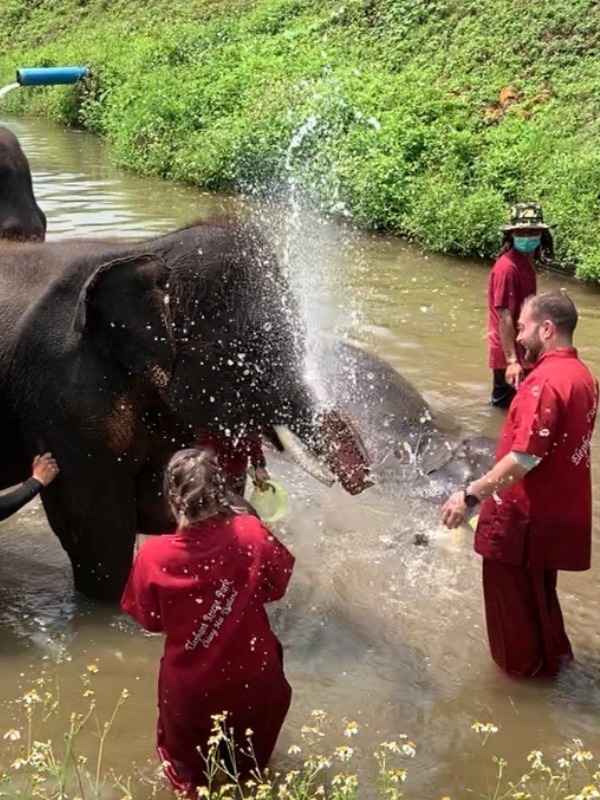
<point>8,88</point>
<point>311,243</point>
<point>315,246</point>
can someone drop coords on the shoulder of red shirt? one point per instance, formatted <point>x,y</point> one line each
<point>562,353</point>
<point>241,525</point>
<point>248,528</point>
<point>547,368</point>
<point>153,543</point>
<point>512,259</point>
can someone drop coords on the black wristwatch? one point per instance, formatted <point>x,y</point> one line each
<point>471,500</point>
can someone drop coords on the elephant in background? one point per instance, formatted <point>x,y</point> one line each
<point>113,355</point>
<point>21,219</point>
<point>400,430</point>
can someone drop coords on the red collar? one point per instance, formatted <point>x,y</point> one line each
<point>519,259</point>
<point>562,352</point>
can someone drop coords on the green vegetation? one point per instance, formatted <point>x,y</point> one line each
<point>40,767</point>
<point>427,118</point>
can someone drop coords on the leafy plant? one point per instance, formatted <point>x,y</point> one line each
<point>431,117</point>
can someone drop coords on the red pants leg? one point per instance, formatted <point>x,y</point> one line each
<point>556,642</point>
<point>260,704</point>
<point>524,621</point>
<point>177,744</point>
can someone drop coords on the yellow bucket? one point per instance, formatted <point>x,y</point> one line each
<point>271,503</point>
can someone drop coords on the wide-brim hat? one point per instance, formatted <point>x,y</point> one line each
<point>526,215</point>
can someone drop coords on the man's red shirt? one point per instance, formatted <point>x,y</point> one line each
<point>545,520</point>
<point>511,280</point>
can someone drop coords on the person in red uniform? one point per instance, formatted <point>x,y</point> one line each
<point>536,515</point>
<point>234,451</point>
<point>205,587</point>
<point>513,278</point>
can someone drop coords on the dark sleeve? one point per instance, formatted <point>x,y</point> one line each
<point>10,503</point>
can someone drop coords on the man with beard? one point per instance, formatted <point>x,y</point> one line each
<point>536,513</point>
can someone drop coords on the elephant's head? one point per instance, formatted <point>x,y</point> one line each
<point>21,219</point>
<point>206,318</point>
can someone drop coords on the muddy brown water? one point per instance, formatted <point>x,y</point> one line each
<point>376,630</point>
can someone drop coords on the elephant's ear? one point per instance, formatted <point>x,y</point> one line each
<point>124,313</point>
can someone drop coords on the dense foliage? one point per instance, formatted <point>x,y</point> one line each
<point>427,118</point>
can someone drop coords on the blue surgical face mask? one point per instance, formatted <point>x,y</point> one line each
<point>527,244</point>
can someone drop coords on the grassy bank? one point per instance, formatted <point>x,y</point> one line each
<point>426,118</point>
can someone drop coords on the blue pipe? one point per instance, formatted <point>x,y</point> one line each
<point>48,76</point>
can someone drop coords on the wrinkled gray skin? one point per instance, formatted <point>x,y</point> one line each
<point>399,429</point>
<point>113,355</point>
<point>21,219</point>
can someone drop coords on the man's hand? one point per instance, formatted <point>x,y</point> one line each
<point>45,468</point>
<point>454,510</point>
<point>514,374</point>
<point>261,476</point>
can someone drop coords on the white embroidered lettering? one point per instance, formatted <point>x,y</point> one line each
<point>213,620</point>
<point>582,451</point>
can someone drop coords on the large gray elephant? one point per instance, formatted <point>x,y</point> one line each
<point>21,219</point>
<point>399,428</point>
<point>113,355</point>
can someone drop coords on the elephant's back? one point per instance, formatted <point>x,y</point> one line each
<point>38,281</point>
<point>28,272</point>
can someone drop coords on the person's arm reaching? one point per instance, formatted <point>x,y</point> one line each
<point>45,469</point>
<point>508,337</point>
<point>257,460</point>
<point>13,501</point>
<point>534,435</point>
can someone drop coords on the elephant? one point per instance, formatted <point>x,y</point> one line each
<point>21,219</point>
<point>411,442</point>
<point>113,355</point>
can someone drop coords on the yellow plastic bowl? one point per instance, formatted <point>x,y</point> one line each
<point>270,504</point>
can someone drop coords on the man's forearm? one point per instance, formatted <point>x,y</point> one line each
<point>502,475</point>
<point>508,337</point>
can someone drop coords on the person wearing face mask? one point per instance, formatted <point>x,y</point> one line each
<point>527,240</point>
<point>536,501</point>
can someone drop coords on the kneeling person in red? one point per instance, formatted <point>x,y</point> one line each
<point>205,587</point>
<point>536,516</point>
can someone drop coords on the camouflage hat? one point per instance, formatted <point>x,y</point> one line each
<point>526,215</point>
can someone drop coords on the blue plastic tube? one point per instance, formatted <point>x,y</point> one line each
<point>48,76</point>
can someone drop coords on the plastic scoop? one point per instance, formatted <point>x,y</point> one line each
<point>271,503</point>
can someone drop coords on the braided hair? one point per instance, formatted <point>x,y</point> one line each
<point>544,254</point>
<point>195,487</point>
